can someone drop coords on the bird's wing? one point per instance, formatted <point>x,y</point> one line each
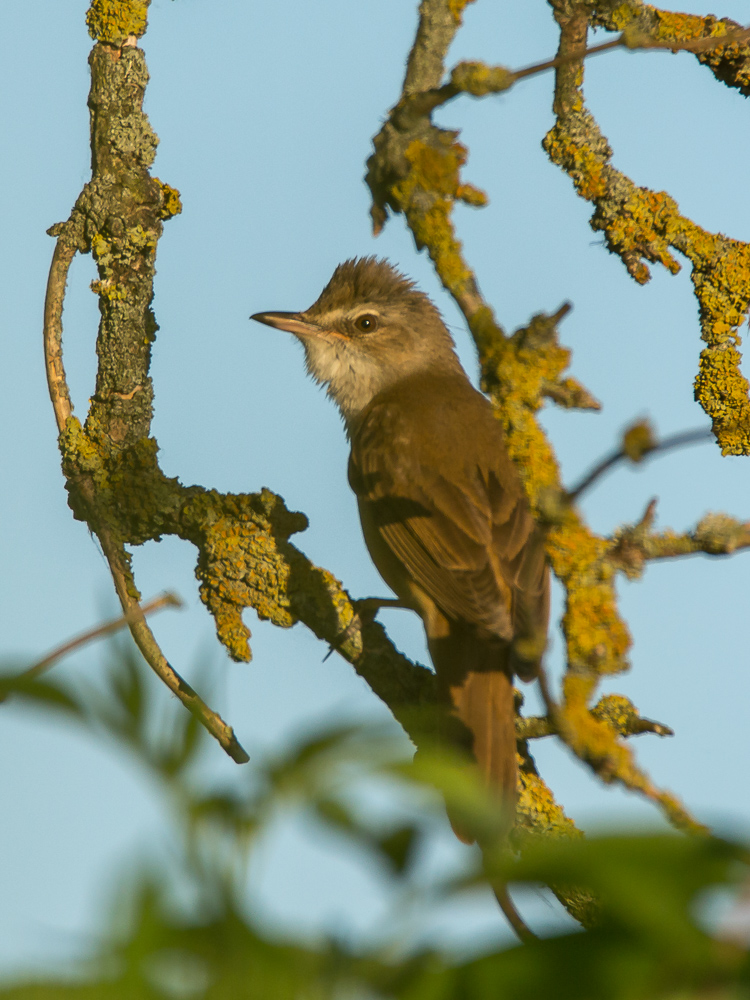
<point>463,537</point>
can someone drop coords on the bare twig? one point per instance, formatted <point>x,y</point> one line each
<point>623,452</point>
<point>569,57</point>
<point>167,600</point>
<point>480,80</point>
<point>152,654</point>
<point>637,40</point>
<point>53,308</point>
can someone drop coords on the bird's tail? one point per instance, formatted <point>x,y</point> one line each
<point>476,685</point>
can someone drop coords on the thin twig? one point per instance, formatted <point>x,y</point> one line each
<point>619,455</point>
<point>553,709</point>
<point>569,57</point>
<point>167,600</point>
<point>697,46</point>
<point>152,654</point>
<point>426,101</point>
<point>53,307</point>
<point>514,918</point>
<point>609,766</point>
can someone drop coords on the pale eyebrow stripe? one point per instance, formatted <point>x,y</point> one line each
<point>367,311</point>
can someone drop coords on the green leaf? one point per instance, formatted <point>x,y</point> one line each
<point>400,847</point>
<point>43,692</point>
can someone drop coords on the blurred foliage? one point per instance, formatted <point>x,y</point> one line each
<point>647,942</point>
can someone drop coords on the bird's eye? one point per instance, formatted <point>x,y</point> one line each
<point>366,323</point>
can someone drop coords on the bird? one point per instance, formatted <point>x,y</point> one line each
<point>443,510</point>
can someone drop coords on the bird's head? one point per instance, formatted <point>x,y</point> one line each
<point>369,328</point>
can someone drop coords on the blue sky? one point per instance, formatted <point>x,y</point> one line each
<point>265,113</point>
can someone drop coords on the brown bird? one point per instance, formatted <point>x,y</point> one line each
<point>443,511</point>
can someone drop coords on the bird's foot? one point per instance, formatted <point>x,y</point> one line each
<point>365,611</point>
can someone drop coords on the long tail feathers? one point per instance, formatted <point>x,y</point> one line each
<point>475,682</point>
<point>476,685</point>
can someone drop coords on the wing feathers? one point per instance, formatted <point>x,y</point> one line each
<point>449,506</point>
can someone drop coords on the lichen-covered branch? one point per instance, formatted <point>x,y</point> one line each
<point>118,217</point>
<point>615,709</point>
<point>245,557</point>
<point>110,462</point>
<point>643,226</point>
<point>636,544</point>
<point>719,43</point>
<point>416,170</point>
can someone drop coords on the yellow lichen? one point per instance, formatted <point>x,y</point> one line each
<point>537,812</point>
<point>622,16</point>
<point>585,166</point>
<point>171,203</point>
<point>673,26</point>
<point>641,224</point>
<point>638,440</point>
<point>471,195</point>
<point>112,21</point>
<point>456,7</point>
<point>435,172</point>
<point>479,79</point>
<point>239,566</point>
<point>433,168</point>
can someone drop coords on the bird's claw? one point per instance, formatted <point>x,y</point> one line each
<point>365,610</point>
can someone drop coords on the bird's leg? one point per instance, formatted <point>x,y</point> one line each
<point>365,610</point>
<point>367,607</point>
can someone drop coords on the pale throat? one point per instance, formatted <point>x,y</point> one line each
<point>351,377</point>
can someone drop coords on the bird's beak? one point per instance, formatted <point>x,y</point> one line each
<point>291,322</point>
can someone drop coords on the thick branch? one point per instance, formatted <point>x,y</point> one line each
<point>118,215</point>
<point>439,21</point>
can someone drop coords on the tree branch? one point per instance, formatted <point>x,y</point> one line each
<point>167,600</point>
<point>638,443</point>
<point>642,226</point>
<point>124,254</point>
<point>590,737</point>
<point>634,545</point>
<point>720,44</point>
<point>416,170</point>
<point>57,383</point>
